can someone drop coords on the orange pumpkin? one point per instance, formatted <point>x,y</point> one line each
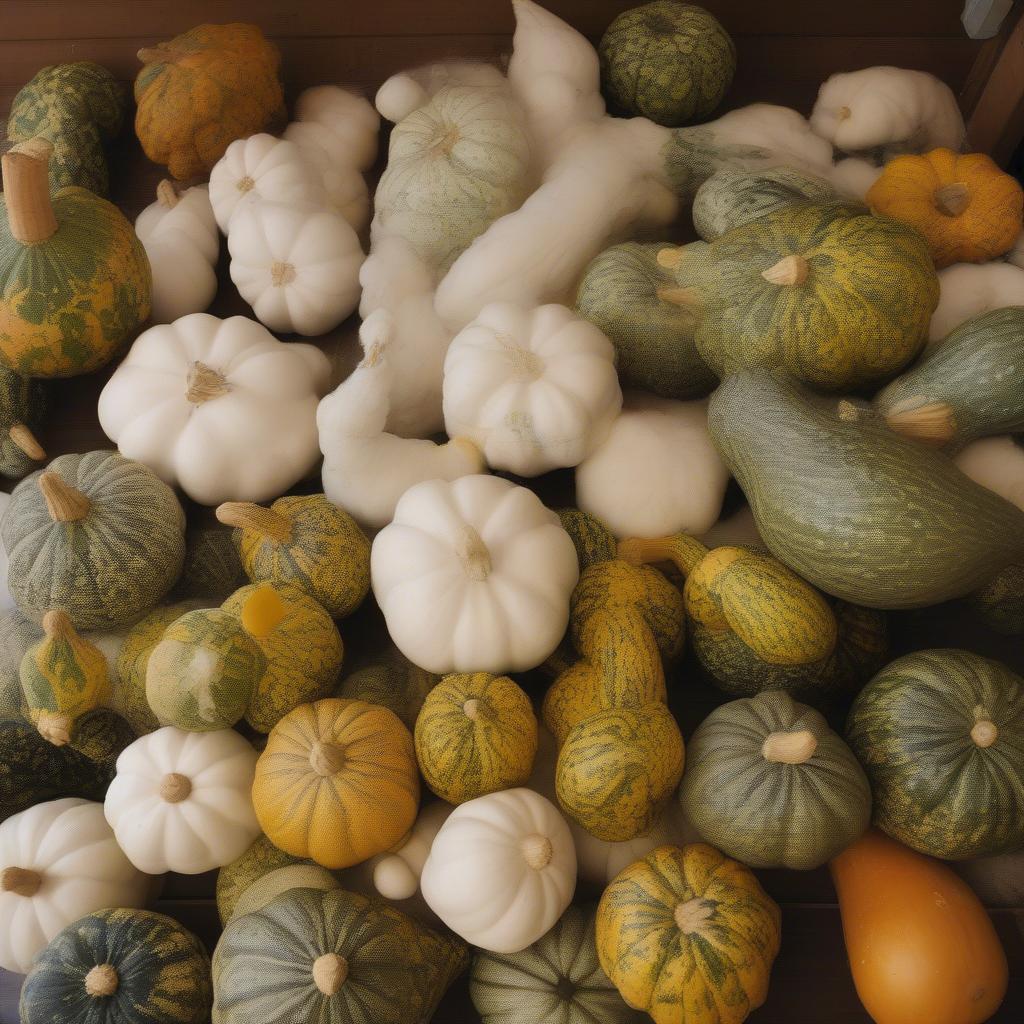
<point>968,210</point>
<point>922,949</point>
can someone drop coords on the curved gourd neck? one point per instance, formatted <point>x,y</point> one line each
<point>26,442</point>
<point>26,176</point>
<point>681,550</point>
<point>265,522</point>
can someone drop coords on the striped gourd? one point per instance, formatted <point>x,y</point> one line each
<point>22,409</point>
<point>17,635</point>
<point>101,736</point>
<point>260,859</point>
<point>268,887</point>
<point>388,678</point>
<point>476,734</point>
<point>862,513</point>
<point>689,936</point>
<point>941,736</point>
<point>769,783</point>
<point>212,568</point>
<point>593,541</point>
<point>1000,603</point>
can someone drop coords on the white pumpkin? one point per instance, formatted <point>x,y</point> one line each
<point>854,176</point>
<point>967,290</point>
<point>349,117</point>
<point>474,576</point>
<point>996,463</point>
<point>502,870</point>
<point>181,801</point>
<point>366,470</point>
<point>656,473</point>
<point>1016,254</point>
<point>396,875</point>
<point>219,407</point>
<point>261,167</point>
<point>407,91</point>
<point>187,213</point>
<point>58,862</point>
<point>536,389</point>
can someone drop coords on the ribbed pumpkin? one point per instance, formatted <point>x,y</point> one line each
<point>307,541</point>
<point>941,736</point>
<point>119,965</point>
<point>22,408</point>
<point>260,859</point>
<point>390,679</point>
<point>965,206</point>
<point>689,936</point>
<point>17,635</point>
<point>769,783</point>
<point>333,957</point>
<point>74,279</point>
<point>96,535</point>
<point>337,782</point>
<point>270,886</point>
<point>212,568</point>
<point>202,90</point>
<point>476,734</point>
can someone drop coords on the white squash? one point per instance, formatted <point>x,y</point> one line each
<point>396,875</point>
<point>188,213</point>
<point>967,290</point>
<point>1016,254</point>
<point>656,473</point>
<point>181,801</point>
<point>996,463</point>
<point>58,862</point>
<point>474,576</point>
<point>407,91</point>
<point>502,870</point>
<point>536,389</point>
<point>219,407</point>
<point>854,176</point>
<point>737,530</point>
<point>349,117</point>
<point>296,265</point>
<point>261,167</point>
<point>366,470</point>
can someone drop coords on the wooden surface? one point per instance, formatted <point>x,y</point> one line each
<point>785,51</point>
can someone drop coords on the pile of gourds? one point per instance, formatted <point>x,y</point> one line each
<point>177,694</point>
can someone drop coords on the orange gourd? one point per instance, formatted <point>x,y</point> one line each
<point>968,210</point>
<point>922,949</point>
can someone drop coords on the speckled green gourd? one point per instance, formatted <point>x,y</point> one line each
<point>212,568</point>
<point>1000,603</point>
<point>258,860</point>
<point>17,635</point>
<point>268,887</point>
<point>593,541</point>
<point>389,679</point>
<point>22,410</point>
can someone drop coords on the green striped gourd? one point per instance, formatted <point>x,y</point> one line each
<point>593,541</point>
<point>17,635</point>
<point>1000,603</point>
<point>268,887</point>
<point>212,568</point>
<point>22,409</point>
<point>260,859</point>
<point>388,678</point>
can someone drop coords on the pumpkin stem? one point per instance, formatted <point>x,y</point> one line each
<point>155,54</point>
<point>789,747</point>
<point>282,273</point>
<point>55,727</point>
<point>693,914</point>
<point>984,733</point>
<point>263,611</point>
<point>476,559</point>
<point>23,438</point>
<point>471,709</point>
<point>683,551</point>
<point>167,194</point>
<point>789,270</point>
<point>245,184</point>
<point>686,297</point>
<point>102,981</point>
<point>670,258</point>
<point>537,851</point>
<point>330,972</point>
<point>64,503</point>
<point>952,199</point>
<point>930,422</point>
<point>21,881</point>
<point>175,787</point>
<point>844,114</point>
<point>326,758</point>
<point>26,173</point>
<point>246,515</point>
<point>204,383</point>
<point>57,624</point>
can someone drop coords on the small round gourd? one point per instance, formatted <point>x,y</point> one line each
<point>396,874</point>
<point>259,859</point>
<point>212,568</point>
<point>22,408</point>
<point>389,678</point>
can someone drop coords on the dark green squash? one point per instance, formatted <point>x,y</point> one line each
<point>593,541</point>
<point>388,678</point>
<point>212,568</point>
<point>22,409</point>
<point>941,736</point>
<point>1000,603</point>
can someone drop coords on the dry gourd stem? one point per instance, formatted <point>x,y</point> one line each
<point>26,174</point>
<point>670,258</point>
<point>692,915</point>
<point>102,980</point>
<point>789,747</point>
<point>54,727</point>
<point>789,270</point>
<point>57,623</point>
<point>175,787</point>
<point>683,551</point>
<point>64,503</point>
<point>167,194</point>
<point>537,851</point>
<point>203,383</point>
<point>984,732</point>
<point>282,274</point>
<point>471,549</point>
<point>246,515</point>
<point>23,438</point>
<point>330,971</point>
<point>21,881</point>
<point>952,199</point>
<point>844,114</point>
<point>931,422</point>
<point>326,758</point>
<point>471,709</point>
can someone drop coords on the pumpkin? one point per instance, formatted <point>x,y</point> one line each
<point>920,944</point>
<point>1000,603</point>
<point>967,290</point>
<point>667,61</point>
<point>74,279</point>
<point>557,980</point>
<point>502,870</point>
<point>17,635</point>
<point>267,888</point>
<point>331,956</point>
<point>769,783</point>
<point>968,210</point>
<point>185,214</point>
<point>939,734</point>
<point>96,535</point>
<point>180,800</point>
<point>201,90</point>
<point>473,575</point>
<point>388,678</point>
<point>260,859</point>
<point>998,464</point>
<point>58,861</point>
<point>344,115</point>
<point>902,528</point>
<point>219,407</point>
<point>688,935</point>
<point>22,408</point>
<point>305,541</point>
<point>337,782</point>
<point>475,734</point>
<point>212,568</point>
<point>396,874</point>
<point>120,964</point>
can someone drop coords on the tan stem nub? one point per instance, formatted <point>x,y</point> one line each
<point>847,411</point>
<point>64,503</point>
<point>20,881</point>
<point>57,623</point>
<point>330,972</point>
<point>167,194</point>
<point>953,199</point>
<point>246,515</point>
<point>245,184</point>
<point>204,383</point>
<point>26,175</point>
<point>471,709</point>
<point>984,733</point>
<point>686,297</point>
<point>326,758</point>
<point>23,438</point>
<point>683,551</point>
<point>55,727</point>
<point>537,851</point>
<point>102,981</point>
<point>153,54</point>
<point>789,270</point>
<point>476,559</point>
<point>670,258</point>
<point>692,915</point>
<point>844,114</point>
<point>789,747</point>
<point>281,274</point>
<point>175,787</point>
<point>930,422</point>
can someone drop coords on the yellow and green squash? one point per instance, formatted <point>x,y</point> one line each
<point>388,678</point>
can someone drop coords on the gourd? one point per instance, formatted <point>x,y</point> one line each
<point>344,115</point>
<point>998,464</point>
<point>266,889</point>
<point>964,387</point>
<point>473,576</point>
<point>307,542</point>
<point>260,859</point>
<point>367,469</point>
<point>95,535</point>
<point>180,800</point>
<point>967,209</point>
<point>337,782</point>
<point>409,90</point>
<point>396,874</point>
<point>213,568</point>
<point>476,734</point>
<point>502,870</point>
<point>219,407</point>
<point>688,934</point>
<point>535,389</point>
<point>920,944</point>
<point>904,528</point>
<point>1000,604</point>
<point>120,964</point>
<point>74,279</point>
<point>764,293</point>
<point>656,472</point>
<point>939,734</point>
<point>557,980</point>
<point>624,292</point>
<point>178,212</point>
<point>296,264</point>
<point>388,678</point>
<point>769,783</point>
<point>968,290</point>
<point>854,176</point>
<point>58,861</point>
<point>667,61</point>
<point>22,409</point>
<point>201,90</point>
<point>333,956</point>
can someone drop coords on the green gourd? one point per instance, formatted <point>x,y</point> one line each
<point>100,736</point>
<point>389,679</point>
<point>593,541</point>
<point>17,635</point>
<point>860,512</point>
<point>941,736</point>
<point>260,859</point>
<point>268,887</point>
<point>22,408</point>
<point>1000,603</point>
<point>212,568</point>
